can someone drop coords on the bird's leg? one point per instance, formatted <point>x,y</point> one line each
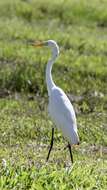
<point>52,138</point>
<point>69,146</point>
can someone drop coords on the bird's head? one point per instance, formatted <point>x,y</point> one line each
<point>49,43</point>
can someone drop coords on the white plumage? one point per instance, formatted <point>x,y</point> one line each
<point>60,108</point>
<point>62,113</point>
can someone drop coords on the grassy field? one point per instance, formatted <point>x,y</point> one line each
<point>80,28</point>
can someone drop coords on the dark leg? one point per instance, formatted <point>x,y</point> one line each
<point>51,144</point>
<point>69,146</point>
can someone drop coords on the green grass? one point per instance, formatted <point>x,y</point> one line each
<point>80,28</point>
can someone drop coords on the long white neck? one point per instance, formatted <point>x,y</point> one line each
<point>55,52</point>
<point>49,81</point>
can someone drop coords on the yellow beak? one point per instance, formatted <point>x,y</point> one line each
<point>38,43</point>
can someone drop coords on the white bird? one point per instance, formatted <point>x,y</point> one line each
<point>60,108</point>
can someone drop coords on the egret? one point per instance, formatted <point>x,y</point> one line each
<point>60,108</point>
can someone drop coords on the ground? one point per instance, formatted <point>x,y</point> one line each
<point>80,29</point>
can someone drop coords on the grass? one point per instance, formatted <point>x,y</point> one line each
<point>80,28</point>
